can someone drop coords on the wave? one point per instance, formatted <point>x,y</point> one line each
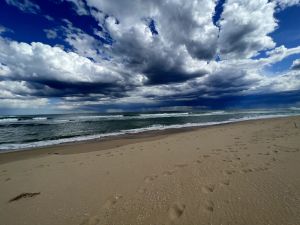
<point>8,120</point>
<point>21,119</point>
<point>142,116</point>
<point>95,117</point>
<point>87,118</point>
<point>213,113</point>
<point>155,127</point>
<point>39,118</point>
<point>295,108</point>
<point>160,115</point>
<point>146,116</point>
<point>183,114</point>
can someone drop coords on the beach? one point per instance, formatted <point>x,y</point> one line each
<point>237,173</point>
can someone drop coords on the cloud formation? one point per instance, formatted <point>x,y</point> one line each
<point>148,52</point>
<point>50,71</point>
<point>245,28</point>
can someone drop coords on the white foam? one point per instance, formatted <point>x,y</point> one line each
<point>8,120</point>
<point>39,118</point>
<point>95,117</point>
<point>212,113</point>
<point>160,115</point>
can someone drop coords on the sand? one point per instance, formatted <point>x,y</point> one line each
<point>242,173</point>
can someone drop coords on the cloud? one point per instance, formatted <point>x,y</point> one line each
<point>4,30</point>
<point>24,5</point>
<point>4,70</point>
<point>186,34</point>
<point>77,40</point>
<point>296,65</point>
<point>49,71</point>
<point>79,6</point>
<point>23,103</point>
<point>282,4</point>
<point>245,28</point>
<point>150,53</point>
<point>51,34</point>
<point>81,42</point>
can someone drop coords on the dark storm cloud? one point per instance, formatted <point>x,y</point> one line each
<point>158,74</point>
<point>277,99</point>
<point>51,88</point>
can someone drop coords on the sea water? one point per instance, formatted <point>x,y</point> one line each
<point>28,131</point>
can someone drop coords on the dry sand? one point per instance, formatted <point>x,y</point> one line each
<point>243,173</point>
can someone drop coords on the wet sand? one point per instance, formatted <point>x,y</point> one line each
<point>242,173</point>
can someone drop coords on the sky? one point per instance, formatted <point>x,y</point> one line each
<point>60,56</point>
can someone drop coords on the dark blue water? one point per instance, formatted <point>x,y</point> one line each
<point>19,132</point>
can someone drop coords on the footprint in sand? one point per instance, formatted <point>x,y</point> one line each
<point>209,206</point>
<point>225,182</point>
<point>142,190</point>
<point>40,166</point>
<point>246,170</point>
<point>229,172</point>
<point>149,179</point>
<point>91,221</point>
<point>176,211</point>
<point>111,201</point>
<point>181,165</point>
<point>168,172</point>
<point>227,160</point>
<point>198,161</point>
<point>261,169</point>
<point>208,188</point>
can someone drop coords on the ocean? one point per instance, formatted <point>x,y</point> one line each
<point>29,131</point>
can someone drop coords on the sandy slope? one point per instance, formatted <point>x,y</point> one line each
<point>243,173</point>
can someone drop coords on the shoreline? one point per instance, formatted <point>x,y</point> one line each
<point>133,132</point>
<point>114,141</point>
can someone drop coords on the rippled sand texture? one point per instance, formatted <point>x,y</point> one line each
<point>243,173</point>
